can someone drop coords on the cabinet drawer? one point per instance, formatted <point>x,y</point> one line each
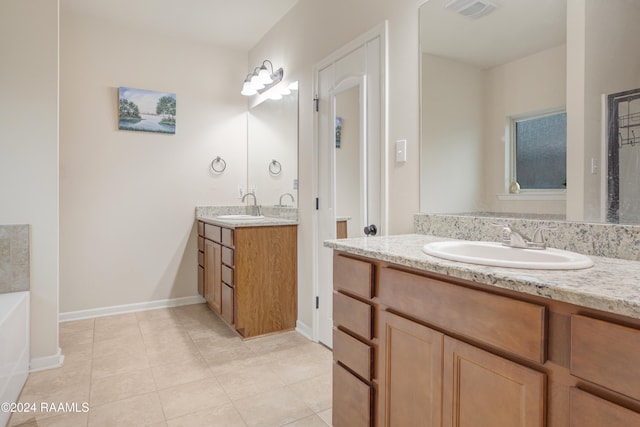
<point>201,258</point>
<point>212,232</point>
<point>587,410</point>
<point>227,236</point>
<point>227,256</point>
<point>351,400</point>
<point>227,275</point>
<point>226,304</point>
<point>353,315</point>
<point>353,353</point>
<point>353,276</point>
<point>606,353</point>
<point>508,324</point>
<point>200,228</point>
<point>201,243</point>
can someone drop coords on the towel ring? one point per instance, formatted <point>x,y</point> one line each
<point>218,165</point>
<point>275,167</point>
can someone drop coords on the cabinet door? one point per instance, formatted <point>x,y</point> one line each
<point>212,274</point>
<point>588,410</point>
<point>412,379</point>
<point>483,390</point>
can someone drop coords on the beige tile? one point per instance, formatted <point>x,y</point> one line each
<point>73,394</point>
<point>301,367</point>
<point>315,392</point>
<point>122,386</point>
<point>77,352</point>
<point>76,325</point>
<point>211,347</point>
<point>160,327</point>
<point>327,416</point>
<point>115,327</point>
<point>108,366</point>
<point>177,352</point>
<point>155,315</point>
<point>234,353</point>
<point>192,397</point>
<point>275,407</point>
<point>71,373</point>
<point>135,411</point>
<point>312,421</point>
<point>119,346</point>
<point>277,342</point>
<point>222,416</point>
<point>222,363</point>
<point>174,374</point>
<point>72,419</point>
<point>249,381</point>
<point>76,337</point>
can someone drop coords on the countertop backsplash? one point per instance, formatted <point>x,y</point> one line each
<point>606,240</point>
<point>14,258</point>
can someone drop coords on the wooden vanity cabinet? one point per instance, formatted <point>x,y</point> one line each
<point>354,342</point>
<point>450,352</point>
<point>250,276</point>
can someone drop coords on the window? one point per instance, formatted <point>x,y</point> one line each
<point>539,151</point>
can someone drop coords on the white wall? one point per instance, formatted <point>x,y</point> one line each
<point>273,135</point>
<point>305,36</point>
<point>127,198</point>
<point>534,83</point>
<point>348,167</point>
<point>29,154</point>
<point>608,71</point>
<point>453,103</point>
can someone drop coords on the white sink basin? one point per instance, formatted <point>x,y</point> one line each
<point>498,255</point>
<point>240,217</point>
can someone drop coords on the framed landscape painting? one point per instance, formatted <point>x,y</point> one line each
<point>147,110</point>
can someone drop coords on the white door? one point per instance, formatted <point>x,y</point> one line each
<point>351,165</point>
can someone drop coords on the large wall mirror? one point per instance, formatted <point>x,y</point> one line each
<point>273,150</point>
<point>528,72</point>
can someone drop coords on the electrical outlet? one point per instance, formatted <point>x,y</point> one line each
<point>241,191</point>
<point>594,167</point>
<point>401,150</point>
<point>295,184</point>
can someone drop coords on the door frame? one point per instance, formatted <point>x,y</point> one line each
<point>380,31</point>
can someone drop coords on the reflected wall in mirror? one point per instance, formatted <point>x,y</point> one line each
<point>478,77</point>
<point>273,150</point>
<point>524,58</point>
<point>349,174</point>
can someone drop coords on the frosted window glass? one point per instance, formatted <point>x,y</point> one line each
<point>541,152</point>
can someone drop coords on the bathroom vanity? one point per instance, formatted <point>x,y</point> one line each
<point>420,341</point>
<point>247,273</point>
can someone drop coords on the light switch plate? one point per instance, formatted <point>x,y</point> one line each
<point>401,150</point>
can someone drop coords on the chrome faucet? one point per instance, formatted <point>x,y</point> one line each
<point>256,208</point>
<point>514,239</point>
<point>285,194</point>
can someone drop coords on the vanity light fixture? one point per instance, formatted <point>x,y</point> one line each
<point>261,79</point>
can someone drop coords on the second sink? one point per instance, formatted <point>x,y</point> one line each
<point>498,255</point>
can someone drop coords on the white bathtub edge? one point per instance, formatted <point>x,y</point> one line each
<point>128,308</point>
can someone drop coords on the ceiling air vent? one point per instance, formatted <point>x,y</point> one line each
<point>473,9</point>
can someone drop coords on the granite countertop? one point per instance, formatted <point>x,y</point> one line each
<point>266,222</point>
<point>611,285</point>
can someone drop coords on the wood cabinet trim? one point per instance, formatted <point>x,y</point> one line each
<point>606,353</point>
<point>353,353</point>
<point>514,326</point>
<point>354,315</point>
<point>359,276</point>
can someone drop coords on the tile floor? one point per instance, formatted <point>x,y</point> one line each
<point>180,367</point>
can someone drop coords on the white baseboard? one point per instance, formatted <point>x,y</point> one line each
<point>47,362</point>
<point>305,330</point>
<point>128,308</point>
